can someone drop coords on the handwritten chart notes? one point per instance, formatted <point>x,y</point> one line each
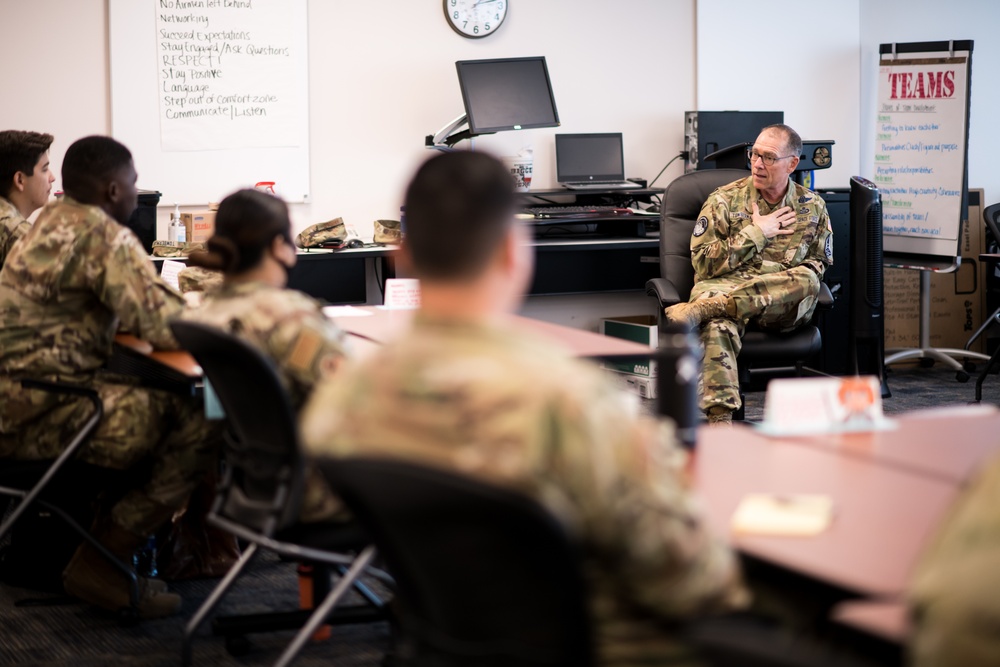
<point>212,95</point>
<point>227,71</point>
<point>920,145</point>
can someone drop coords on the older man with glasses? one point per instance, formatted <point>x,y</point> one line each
<point>759,250</point>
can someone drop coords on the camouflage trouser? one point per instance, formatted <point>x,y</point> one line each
<point>778,301</point>
<point>163,434</point>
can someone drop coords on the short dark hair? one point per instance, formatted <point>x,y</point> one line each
<point>245,226</point>
<point>90,163</point>
<point>20,151</point>
<point>459,207</point>
<point>793,142</point>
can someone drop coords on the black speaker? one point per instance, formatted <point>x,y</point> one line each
<point>867,321</point>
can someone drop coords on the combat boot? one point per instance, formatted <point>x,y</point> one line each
<point>92,578</point>
<point>719,415</point>
<point>693,313</point>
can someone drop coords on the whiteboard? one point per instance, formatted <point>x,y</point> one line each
<point>921,145</point>
<point>212,95</point>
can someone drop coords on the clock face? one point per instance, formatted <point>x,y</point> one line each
<point>475,18</point>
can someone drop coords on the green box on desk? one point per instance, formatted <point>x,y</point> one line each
<point>638,329</point>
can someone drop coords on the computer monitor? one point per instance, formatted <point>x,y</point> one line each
<point>507,94</point>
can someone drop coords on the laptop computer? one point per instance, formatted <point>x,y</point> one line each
<point>591,161</point>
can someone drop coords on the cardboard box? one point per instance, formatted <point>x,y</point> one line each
<point>639,329</point>
<point>199,225</point>
<point>958,299</point>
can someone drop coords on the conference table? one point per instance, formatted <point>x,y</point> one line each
<point>380,325</point>
<point>371,326</point>
<point>890,489</point>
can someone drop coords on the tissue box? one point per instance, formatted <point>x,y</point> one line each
<point>199,225</point>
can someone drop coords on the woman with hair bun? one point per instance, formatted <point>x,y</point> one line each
<point>252,247</point>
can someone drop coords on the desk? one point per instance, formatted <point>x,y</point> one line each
<point>382,325</point>
<point>585,265</point>
<point>339,276</point>
<point>888,621</point>
<point>946,444</point>
<point>882,515</point>
<point>170,370</point>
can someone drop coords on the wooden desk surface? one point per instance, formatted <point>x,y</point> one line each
<point>886,620</point>
<point>883,516</point>
<point>382,325</point>
<point>178,360</point>
<point>946,444</point>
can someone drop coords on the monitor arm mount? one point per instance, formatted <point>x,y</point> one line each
<point>447,137</point>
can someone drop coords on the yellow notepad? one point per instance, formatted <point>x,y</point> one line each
<point>780,514</point>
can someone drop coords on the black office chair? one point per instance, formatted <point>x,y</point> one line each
<point>64,488</point>
<point>485,576</point>
<point>991,215</point>
<point>681,204</point>
<point>259,496</point>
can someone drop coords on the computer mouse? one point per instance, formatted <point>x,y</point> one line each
<point>355,243</point>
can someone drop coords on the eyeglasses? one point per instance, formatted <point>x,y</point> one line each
<point>768,159</point>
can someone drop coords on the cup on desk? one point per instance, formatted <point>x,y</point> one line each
<point>521,168</point>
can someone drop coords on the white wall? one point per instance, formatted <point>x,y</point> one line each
<point>887,21</point>
<point>382,76</point>
<point>54,73</point>
<point>801,58</point>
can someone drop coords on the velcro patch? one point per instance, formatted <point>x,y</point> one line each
<point>828,249</point>
<point>701,226</point>
<point>304,352</point>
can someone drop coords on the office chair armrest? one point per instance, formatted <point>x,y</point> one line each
<point>663,290</point>
<point>825,298</point>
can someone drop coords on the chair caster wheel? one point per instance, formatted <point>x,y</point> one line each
<point>969,367</point>
<point>926,362</point>
<point>962,376</point>
<point>237,645</point>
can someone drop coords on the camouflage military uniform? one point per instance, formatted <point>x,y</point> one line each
<point>290,328</point>
<point>505,408</point>
<point>12,227</point>
<point>955,595</point>
<point>774,282</point>
<point>75,279</point>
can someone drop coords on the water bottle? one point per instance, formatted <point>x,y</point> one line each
<point>679,361</point>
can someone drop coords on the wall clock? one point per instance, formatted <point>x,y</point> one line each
<point>475,18</point>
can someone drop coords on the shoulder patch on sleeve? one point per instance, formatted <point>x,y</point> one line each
<point>305,350</point>
<point>701,226</point>
<point>828,248</point>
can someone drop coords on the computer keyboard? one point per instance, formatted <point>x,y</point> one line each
<point>601,211</point>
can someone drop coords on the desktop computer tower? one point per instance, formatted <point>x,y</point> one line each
<point>835,324</point>
<point>708,131</point>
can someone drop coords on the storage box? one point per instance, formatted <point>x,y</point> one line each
<point>199,225</point>
<point>639,329</point>
<point>958,299</point>
<point>645,387</point>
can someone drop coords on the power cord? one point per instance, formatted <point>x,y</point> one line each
<point>682,154</point>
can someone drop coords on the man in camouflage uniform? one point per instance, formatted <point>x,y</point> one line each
<point>955,594</point>
<point>466,391</point>
<point>25,183</point>
<point>76,278</point>
<point>759,250</point>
